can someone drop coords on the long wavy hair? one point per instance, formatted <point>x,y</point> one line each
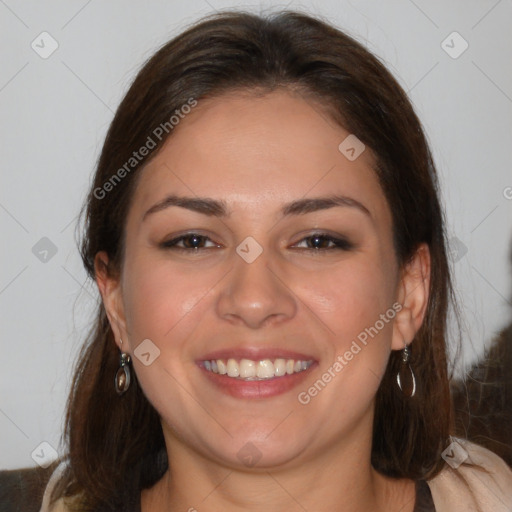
<point>115,444</point>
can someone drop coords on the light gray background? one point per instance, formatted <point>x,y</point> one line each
<point>55,113</point>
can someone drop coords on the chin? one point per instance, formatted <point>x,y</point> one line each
<point>257,450</point>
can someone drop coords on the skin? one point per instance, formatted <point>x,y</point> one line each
<point>256,154</point>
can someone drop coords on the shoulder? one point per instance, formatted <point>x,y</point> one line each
<point>474,479</point>
<point>62,504</point>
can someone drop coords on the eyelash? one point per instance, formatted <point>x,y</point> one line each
<point>339,243</point>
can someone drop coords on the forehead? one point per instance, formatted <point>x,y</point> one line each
<point>258,152</point>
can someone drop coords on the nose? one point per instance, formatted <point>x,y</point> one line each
<point>256,293</point>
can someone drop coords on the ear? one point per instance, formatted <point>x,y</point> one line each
<point>110,290</point>
<point>413,293</point>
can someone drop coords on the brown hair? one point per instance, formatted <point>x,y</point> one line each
<point>116,443</point>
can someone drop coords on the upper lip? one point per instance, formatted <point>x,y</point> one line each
<point>256,354</point>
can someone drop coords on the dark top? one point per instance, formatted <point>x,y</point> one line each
<point>424,502</point>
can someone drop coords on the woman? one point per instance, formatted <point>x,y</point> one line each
<point>265,231</point>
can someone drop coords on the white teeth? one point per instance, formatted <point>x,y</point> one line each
<point>279,367</point>
<point>221,367</point>
<point>265,369</point>
<point>233,369</point>
<point>247,369</point>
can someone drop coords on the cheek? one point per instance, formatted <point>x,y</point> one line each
<point>355,303</point>
<point>165,306</point>
<point>350,298</point>
<point>161,302</point>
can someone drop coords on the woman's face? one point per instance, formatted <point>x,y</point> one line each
<point>259,263</point>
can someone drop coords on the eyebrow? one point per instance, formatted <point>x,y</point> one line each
<point>218,208</point>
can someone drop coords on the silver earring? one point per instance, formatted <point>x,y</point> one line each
<point>406,381</point>
<point>123,376</point>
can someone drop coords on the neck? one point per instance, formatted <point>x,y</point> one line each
<point>338,479</point>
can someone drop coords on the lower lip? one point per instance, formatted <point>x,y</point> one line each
<point>239,388</point>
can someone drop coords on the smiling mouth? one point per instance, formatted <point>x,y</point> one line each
<point>252,370</point>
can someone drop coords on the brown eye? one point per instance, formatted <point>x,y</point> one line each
<point>323,241</point>
<point>191,241</point>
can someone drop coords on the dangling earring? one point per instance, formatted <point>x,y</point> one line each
<point>406,379</point>
<point>123,377</point>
